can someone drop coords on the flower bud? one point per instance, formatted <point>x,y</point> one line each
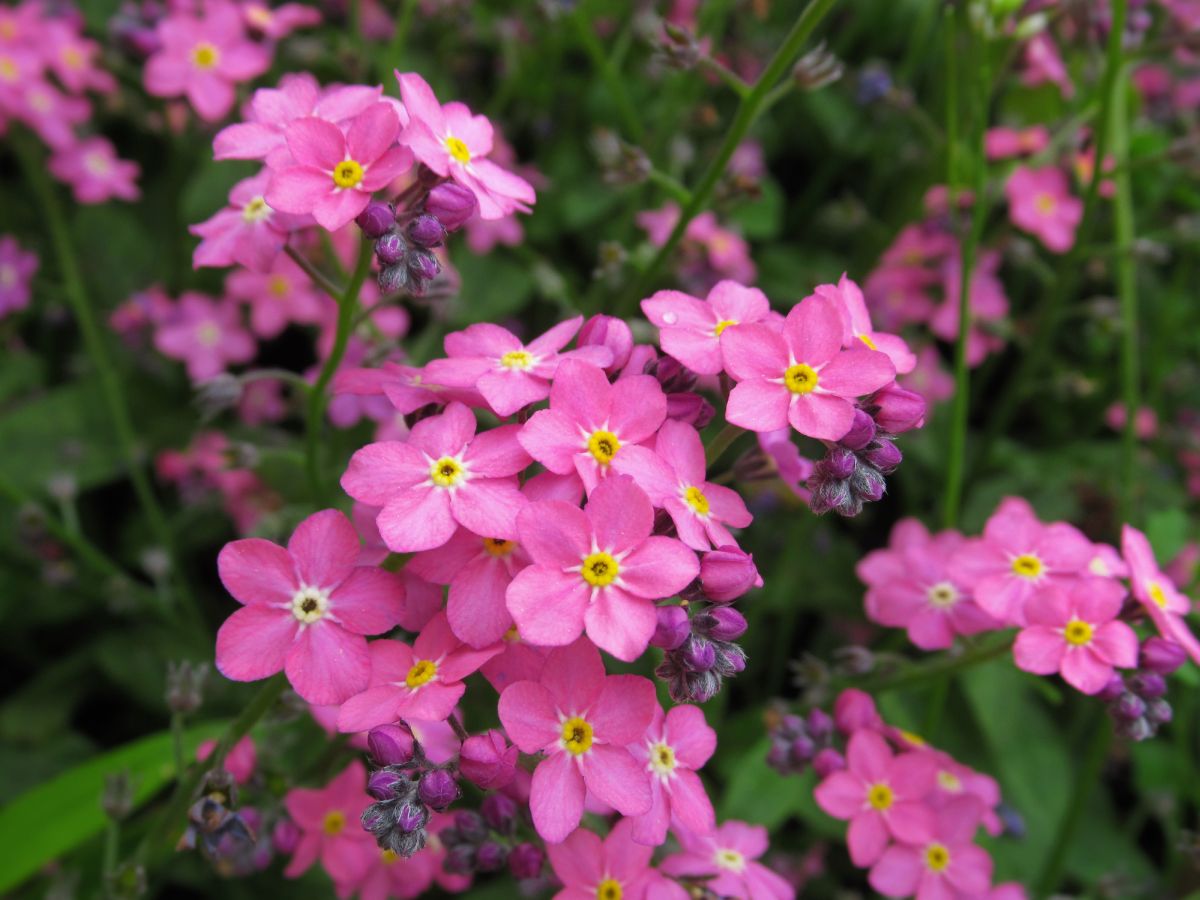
<point>1148,685</point>
<point>839,463</point>
<point>1158,712</point>
<point>500,812</point>
<point>899,410</point>
<point>608,331</point>
<point>727,573</point>
<point>802,748</point>
<point>672,629</point>
<point>376,219</point>
<point>1113,689</point>
<point>853,710</point>
<point>1129,706</point>
<point>1135,729</point>
<point>861,433</point>
<point>386,784</point>
<point>1161,656</point>
<point>724,623</point>
<point>884,456</point>
<point>460,860</point>
<point>391,248</point>
<point>490,857</point>
<point>819,724</point>
<point>525,861</point>
<point>470,826</point>
<point>698,654</point>
<point>285,837</point>
<point>867,484</point>
<point>117,798</point>
<point>411,817</point>
<point>488,760</point>
<point>185,685</point>
<point>690,408</point>
<point>438,789</point>
<point>827,762</point>
<point>426,231</point>
<point>674,376</point>
<point>423,265</point>
<point>452,204</point>
<point>390,745</point>
<point>393,279</point>
<point>731,659</point>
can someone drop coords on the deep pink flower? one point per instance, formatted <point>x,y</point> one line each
<point>72,58</point>
<point>328,822</point>
<point>947,867</point>
<point>882,795</point>
<point>281,295</point>
<point>454,143</point>
<point>784,456</point>
<point>443,477</point>
<point>51,113</point>
<point>239,761</point>
<point>94,172</point>
<point>338,168</point>
<point>589,420</point>
<point>590,868</point>
<point>1163,602</point>
<point>956,782</point>
<point>306,609</point>
<point>247,231</point>
<point>278,22</point>
<point>673,476</point>
<point>508,374</point>
<point>582,720</point>
<point>909,586</point>
<point>690,329</point>
<point>203,58</point>
<point>205,334</point>
<point>17,268</point>
<point>801,376</point>
<point>422,682</point>
<point>1073,631</point>
<point>1016,557</point>
<point>1040,202</point>
<point>727,859</point>
<point>674,747</point>
<point>858,331</point>
<point>1044,65</point>
<point>988,303</point>
<point>1004,143</point>
<point>598,569</point>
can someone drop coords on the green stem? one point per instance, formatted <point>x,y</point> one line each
<point>177,741</point>
<point>319,278</point>
<point>721,442</point>
<point>672,186</point>
<point>112,849</point>
<point>732,79</point>
<point>748,110</point>
<point>609,74</point>
<point>936,669</point>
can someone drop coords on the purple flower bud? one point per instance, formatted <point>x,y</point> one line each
<point>377,219</point>
<point>393,279</point>
<point>470,826</point>
<point>1158,712</point>
<point>452,204</point>
<point>803,748</point>
<point>438,789</point>
<point>827,762</point>
<point>867,484</point>
<point>819,724</point>
<point>690,408</point>
<point>1161,656</point>
<point>1114,689</point>
<point>385,784</point>
<point>390,745</point>
<point>674,376</point>
<point>423,265</point>
<point>698,654</point>
<point>900,410</point>
<point>426,231</point>
<point>411,817</point>
<point>460,860</point>
<point>525,861</point>
<point>608,331</point>
<point>285,837</point>
<point>861,433</point>
<point>391,248</point>
<point>500,812</point>
<point>724,623</point>
<point>731,659</point>
<point>727,573</point>
<point>1135,729</point>
<point>672,629</point>
<point>490,857</point>
<point>884,456</point>
<point>1148,685</point>
<point>839,464</point>
<point>1129,706</point>
<point>488,760</point>
<point>792,725</point>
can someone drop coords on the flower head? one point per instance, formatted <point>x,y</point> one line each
<point>690,329</point>
<point>946,867</point>
<point>674,747</point>
<point>328,821</point>
<point>615,868</point>
<point>247,231</point>
<point>727,858</point>
<point>858,331</point>
<point>1163,602</point>
<point>17,268</point>
<point>94,172</point>
<point>205,334</point>
<point>1040,202</point>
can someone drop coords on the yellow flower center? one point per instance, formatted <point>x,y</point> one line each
<point>1045,204</point>
<point>512,635</point>
<point>498,546</point>
<point>389,857</point>
<point>309,604</point>
<point>600,569</point>
<point>866,339</point>
<point>662,759</point>
<point>205,55</point>
<point>421,673</point>
<point>800,378</point>
<point>279,286</point>
<point>722,325</point>
<point>72,58</point>
<point>208,334</point>
<point>1027,566</point>
<point>256,210</point>
<point>913,738</point>
<point>347,173</point>
<point>948,781</point>
<point>517,359</point>
<point>335,821</point>
<point>8,275</point>
<point>1078,633</point>
<point>728,858</point>
<point>447,472</point>
<point>880,797</point>
<point>603,445</point>
<point>8,69</point>
<point>609,889</point>
<point>942,594</point>
<point>577,735</point>
<point>696,500</point>
<point>458,150</point>
<point>1158,595</point>
<point>937,857</point>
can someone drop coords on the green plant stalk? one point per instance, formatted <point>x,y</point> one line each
<point>177,741</point>
<point>936,669</point>
<point>748,110</point>
<point>609,74</point>
<point>318,399</point>
<point>112,849</point>
<point>722,442</point>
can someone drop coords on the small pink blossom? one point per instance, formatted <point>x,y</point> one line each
<point>72,58</point>
<point>239,761</point>
<point>328,821</point>
<point>1005,143</point>
<point>690,329</point>
<point>51,113</point>
<point>278,22</point>
<point>205,334</point>
<point>17,268</point>
<point>1044,65</point>
<point>726,858</point>
<point>277,297</point>
<point>247,231</point>
<point>95,173</point>
<point>859,332</point>
<point>988,303</point>
<point>674,747</point>
<point>1163,602</point>
<point>1145,420</point>
<point>1040,202</point>
<point>589,867</point>
<point>947,867</point>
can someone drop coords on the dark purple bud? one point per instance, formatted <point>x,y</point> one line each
<point>377,219</point>
<point>727,573</point>
<point>285,837</point>
<point>884,456</point>
<point>1161,656</point>
<point>672,629</point>
<point>674,376</point>
<point>385,784</point>
<point>696,687</point>
<point>390,745</point>
<point>1148,685</point>
<point>867,484</point>
<point>438,789</point>
<point>470,826</point>
<point>803,748</point>
<point>490,857</point>
<point>1135,729</point>
<point>792,725</point>
<point>1158,712</point>
<point>690,409</point>
<point>488,760</point>
<point>500,812</point>
<point>819,724</point>
<point>725,623</point>
<point>827,762</point>
<point>452,204</point>
<point>839,463</point>
<point>899,410</point>
<point>1129,706</point>
<point>1113,689</point>
<point>393,279</point>
<point>779,757</point>
<point>731,659</point>
<point>861,433</point>
<point>460,860</point>
<point>608,331</point>
<point>423,265</point>
<point>411,817</point>
<point>426,231</point>
<point>525,861</point>
<point>391,248</point>
<point>698,654</point>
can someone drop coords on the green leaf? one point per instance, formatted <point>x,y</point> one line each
<point>54,818</point>
<point>757,793</point>
<point>1167,531</point>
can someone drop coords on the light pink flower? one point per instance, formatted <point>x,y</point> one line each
<point>17,268</point>
<point>1163,602</point>
<point>405,387</point>
<point>205,334</point>
<point>94,172</point>
<point>306,609</point>
<point>856,321</point>
<point>279,22</point>
<point>726,858</point>
<point>882,795</point>
<point>443,477</point>
<point>328,822</point>
<point>674,747</point>
<point>988,303</point>
<point>690,329</point>
<point>948,867</point>
<point>801,376</point>
<point>72,58</point>
<point>277,297</point>
<point>247,231</point>
<point>1074,631</point>
<point>582,720</point>
<point>956,782</point>
<point>589,867</point>
<point>51,113</point>
<point>1040,202</point>
<point>1005,143</point>
<point>1043,65</point>
<point>239,761</point>
<point>597,569</point>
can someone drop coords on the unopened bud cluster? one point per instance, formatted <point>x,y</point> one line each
<point>1137,702</point>
<point>797,741</point>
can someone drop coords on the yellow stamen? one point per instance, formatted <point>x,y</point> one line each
<point>205,55</point>
<point>866,339</point>
<point>446,472</point>
<point>335,821</point>
<point>696,500</point>
<point>279,286</point>
<point>800,378</point>
<point>937,857</point>
<point>1158,595</point>
<point>662,759</point>
<point>1078,633</point>
<point>600,569</point>
<point>458,150</point>
<point>517,359</point>
<point>603,446</point>
<point>722,325</point>
<point>309,604</point>
<point>727,858</point>
<point>256,210</point>
<point>1027,566</point>
<point>880,797</point>
<point>498,546</point>
<point>609,889</point>
<point>577,735</point>
<point>1045,204</point>
<point>421,673</point>
<point>347,173</point>
<point>942,594</point>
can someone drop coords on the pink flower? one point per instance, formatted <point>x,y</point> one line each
<point>673,748</point>
<point>282,295</point>
<point>205,334</point>
<point>988,303</point>
<point>801,376</point>
<point>72,58</point>
<point>306,609</point>
<point>51,113</point>
<point>956,782</point>
<point>882,795</point>
<point>909,586</point>
<point>203,58</point>
<point>328,822</point>
<point>1044,65</point>
<point>1004,143</point>
<point>247,231</point>
<point>1163,602</point>
<point>726,859</point>
<point>673,476</point>
<point>422,682</point>
<point>590,868</point>
<point>508,374</point>
<point>17,268</point>
<point>856,321</point>
<point>784,457</point>
<point>589,420</point>
<point>443,477</point>
<point>94,172</point>
<point>598,569</point>
<point>1073,631</point>
<point>454,143</point>
<point>279,22</point>
<point>239,762</point>
<point>947,867</point>
<point>404,386</point>
<point>690,329</point>
<point>1016,557</point>
<point>338,168</point>
<point>1040,202</point>
<point>582,720</point>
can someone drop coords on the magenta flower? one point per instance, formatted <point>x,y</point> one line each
<point>239,762</point>
<point>1073,631</point>
<point>801,376</point>
<point>329,828</point>
<point>1040,202</point>
<point>674,747</point>
<point>51,113</point>
<point>882,795</point>
<point>306,609</point>
<point>1043,64</point>
<point>247,231</point>
<point>589,420</point>
<point>582,720</point>
<point>277,297</point>
<point>281,21</point>
<point>94,172</point>
<point>690,329</point>
<point>598,569</point>
<point>17,268</point>
<point>1163,602</point>
<point>338,168</point>
<point>454,143</point>
<point>508,374</point>
<point>202,58</point>
<point>947,867</point>
<point>616,868</point>
<point>673,476</point>
<point>205,334</point>
<point>727,859</point>
<point>443,477</point>
<point>1004,143</point>
<point>73,58</point>
<point>856,321</point>
<point>909,586</point>
<point>422,682</point>
<point>1017,556</point>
